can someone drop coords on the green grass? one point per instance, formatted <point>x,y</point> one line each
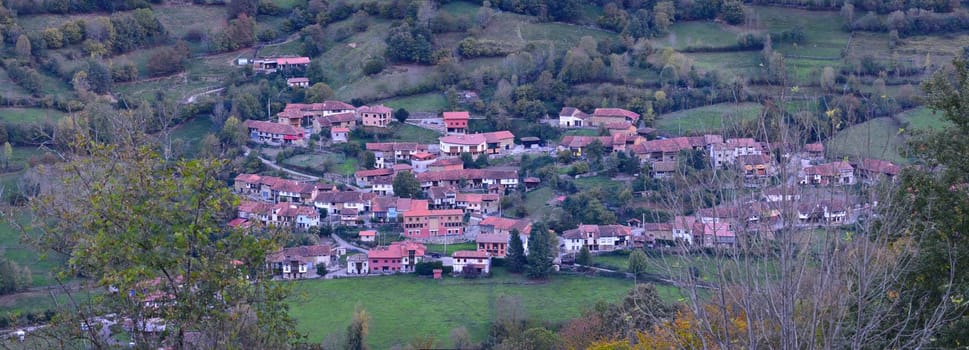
<point>322,163</point>
<point>745,63</point>
<point>405,306</point>
<point>597,181</point>
<point>822,30</point>
<point>451,248</point>
<point>292,48</point>
<point>192,132</point>
<point>9,88</point>
<point>923,119</point>
<point>460,8</point>
<point>412,133</point>
<point>536,202</point>
<point>432,102</point>
<point>14,248</point>
<point>29,115</point>
<point>180,19</point>
<point>581,132</point>
<point>877,138</point>
<point>707,119</point>
<point>699,34</point>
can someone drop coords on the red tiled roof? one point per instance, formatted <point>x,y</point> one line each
<point>293,60</point>
<point>468,174</point>
<point>272,128</point>
<point>339,130</point>
<point>615,112</point>
<point>381,109</point>
<point>423,156</point>
<point>675,144</point>
<point>395,146</point>
<point>447,161</point>
<point>573,112</point>
<point>470,139</point>
<point>456,115</point>
<point>505,224</point>
<point>497,136</point>
<point>373,172</point>
<point>828,169</point>
<point>239,222</point>
<point>298,80</point>
<point>492,238</point>
<point>476,197</point>
<point>397,250</point>
<point>879,166</point>
<point>368,233</point>
<point>300,253</point>
<point>582,141</point>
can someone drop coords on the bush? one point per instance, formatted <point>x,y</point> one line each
<point>373,66</point>
<point>321,270</point>
<point>426,268</point>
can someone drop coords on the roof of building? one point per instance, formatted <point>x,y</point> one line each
<point>879,166</point>
<point>492,238</point>
<point>828,169</point>
<point>298,80</point>
<point>504,224</point>
<point>343,197</point>
<point>597,231</point>
<point>339,130</point>
<point>816,147</point>
<point>498,136</point>
<point>476,197</point>
<point>615,112</point>
<point>447,162</point>
<point>293,60</point>
<point>300,253</point>
<point>272,128</point>
<point>381,109</point>
<point>395,146</point>
<point>469,139</point>
<point>573,141</point>
<point>456,115</point>
<point>423,156</point>
<point>573,112</point>
<point>368,233</point>
<point>473,254</point>
<point>467,174</point>
<point>373,172</point>
<point>753,159</point>
<point>397,250</point>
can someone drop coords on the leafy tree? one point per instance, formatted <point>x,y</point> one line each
<point>99,77</point>
<point>234,133</point>
<point>319,92</point>
<point>637,262</point>
<point>23,47</point>
<point>53,38</point>
<point>406,185</point>
<point>143,225</point>
<point>515,259</point>
<point>585,257</point>
<point>409,43</point>
<point>468,160</point>
<point>239,7</point>
<point>401,115</point>
<point>481,162</point>
<point>357,331</point>
<point>13,277</point>
<point>369,160</point>
<point>321,269</point>
<point>934,198</point>
<point>540,256</point>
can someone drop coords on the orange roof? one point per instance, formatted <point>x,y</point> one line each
<point>497,136</point>
<point>472,139</point>
<point>368,233</point>
<point>340,129</point>
<point>293,60</point>
<point>456,115</point>
<point>470,254</point>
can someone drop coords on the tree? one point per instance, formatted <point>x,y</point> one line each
<point>99,77</point>
<point>23,47</point>
<point>461,339</point>
<point>7,154</point>
<point>318,93</point>
<point>357,331</point>
<point>406,185</point>
<point>585,257</point>
<point>515,259</point>
<point>13,277</point>
<point>369,160</point>
<point>234,133</point>
<point>540,256</point>
<point>733,12</point>
<point>637,262</point>
<point>143,225</point>
<point>401,115</point>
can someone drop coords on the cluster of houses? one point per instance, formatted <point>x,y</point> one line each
<point>269,65</point>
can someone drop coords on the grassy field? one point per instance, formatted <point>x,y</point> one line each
<point>536,201</point>
<point>877,138</point>
<point>324,162</point>
<point>408,133</point>
<point>14,248</point>
<point>597,181</point>
<point>404,306</point>
<point>923,119</point>
<point>29,115</point>
<point>451,248</point>
<point>433,102</point>
<point>706,119</point>
<point>182,18</point>
<point>695,34</point>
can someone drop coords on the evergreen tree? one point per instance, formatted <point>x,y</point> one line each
<point>585,257</point>
<point>540,257</point>
<point>515,260</point>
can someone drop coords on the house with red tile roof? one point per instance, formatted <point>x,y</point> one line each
<point>477,204</point>
<point>471,262</point>
<point>387,154</point>
<point>755,166</point>
<point>274,189</point>
<point>454,145</point>
<point>714,234</point>
<point>397,257</point>
<point>603,116</point>
<point>299,262</point>
<point>274,64</point>
<point>597,237</point>
<point>498,142</point>
<point>421,222</point>
<point>456,122</point>
<point>725,154</point>
<point>421,161</point>
<point>571,117</point>
<point>334,202</point>
<point>834,173</point>
<point>504,226</point>
<point>363,178</point>
<point>814,150</point>
<point>494,244</point>
<point>368,236</point>
<point>389,208</point>
<point>301,82</point>
<point>469,178</point>
<point>577,144</point>
<point>274,134</point>
<point>446,164</point>
<point>378,116</point>
<point>339,135</point>
<point>874,170</point>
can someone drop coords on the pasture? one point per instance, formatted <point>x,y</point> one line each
<point>402,307</point>
<point>877,138</point>
<point>711,118</point>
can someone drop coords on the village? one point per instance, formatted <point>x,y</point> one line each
<point>373,230</point>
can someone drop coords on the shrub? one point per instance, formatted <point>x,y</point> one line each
<point>426,268</point>
<point>373,66</point>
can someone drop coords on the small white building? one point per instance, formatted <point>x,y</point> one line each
<point>358,265</point>
<point>368,236</point>
<point>471,261</point>
<point>339,135</point>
